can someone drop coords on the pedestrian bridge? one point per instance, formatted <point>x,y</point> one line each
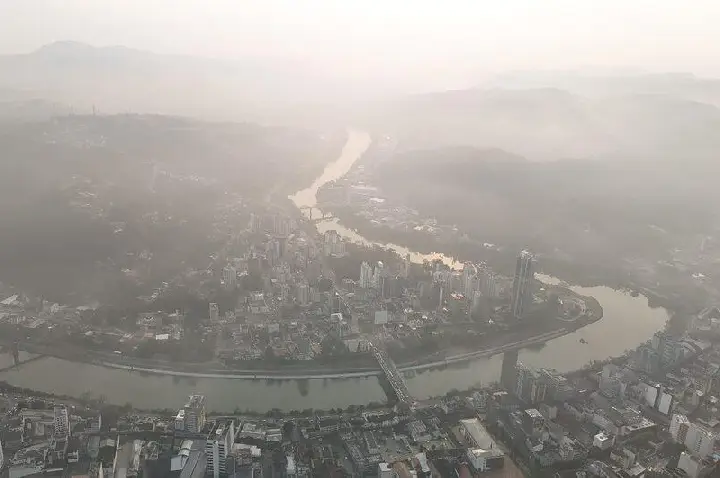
<point>394,377</point>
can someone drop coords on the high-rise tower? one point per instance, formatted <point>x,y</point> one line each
<point>365,275</point>
<point>522,283</point>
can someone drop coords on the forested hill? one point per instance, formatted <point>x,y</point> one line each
<point>590,206</point>
<point>84,197</point>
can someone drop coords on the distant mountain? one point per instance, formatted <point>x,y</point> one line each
<point>31,110</point>
<point>118,79</point>
<point>614,83</point>
<point>550,124</point>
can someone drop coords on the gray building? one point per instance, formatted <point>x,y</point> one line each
<point>522,285</point>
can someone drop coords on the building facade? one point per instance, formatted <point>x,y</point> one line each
<point>522,285</point>
<point>365,275</point>
<point>61,422</point>
<point>191,418</point>
<point>218,446</point>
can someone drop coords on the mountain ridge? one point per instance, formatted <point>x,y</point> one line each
<point>545,124</point>
<point>118,79</point>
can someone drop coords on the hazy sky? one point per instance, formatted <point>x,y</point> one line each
<point>441,39</point>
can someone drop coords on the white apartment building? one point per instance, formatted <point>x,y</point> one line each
<point>217,447</point>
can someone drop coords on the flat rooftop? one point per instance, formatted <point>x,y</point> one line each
<point>482,438</point>
<point>220,428</point>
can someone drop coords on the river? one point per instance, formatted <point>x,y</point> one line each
<point>627,321</point>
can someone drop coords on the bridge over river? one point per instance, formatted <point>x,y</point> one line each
<point>509,350</point>
<point>394,377</point>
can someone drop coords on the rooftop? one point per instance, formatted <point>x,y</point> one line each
<point>220,428</point>
<point>483,453</point>
<point>195,401</point>
<point>482,439</point>
<point>534,414</point>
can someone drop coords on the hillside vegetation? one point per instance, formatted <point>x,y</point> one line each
<point>594,209</point>
<point>84,197</point>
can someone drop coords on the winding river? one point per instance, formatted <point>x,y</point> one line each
<point>627,321</point>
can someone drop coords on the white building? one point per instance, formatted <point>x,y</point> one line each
<point>679,426</point>
<point>180,420</point>
<point>603,441</point>
<point>365,275</point>
<point>61,422</point>
<point>192,416</point>
<point>379,276</point>
<point>385,470</point>
<point>218,446</point>
<point>291,467</point>
<point>485,459</point>
<point>700,441</point>
<point>229,277</point>
<point>479,439</point>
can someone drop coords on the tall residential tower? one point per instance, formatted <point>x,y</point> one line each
<point>522,285</point>
<point>191,418</point>
<point>365,275</point>
<point>218,446</point>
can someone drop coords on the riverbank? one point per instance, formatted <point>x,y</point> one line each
<point>407,367</point>
<point>538,332</point>
<point>425,363</point>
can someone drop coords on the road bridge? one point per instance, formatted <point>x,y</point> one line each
<point>394,377</point>
<point>307,211</point>
<point>18,363</point>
